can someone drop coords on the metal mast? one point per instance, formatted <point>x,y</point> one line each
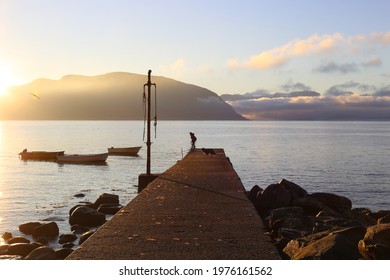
<point>149,84</point>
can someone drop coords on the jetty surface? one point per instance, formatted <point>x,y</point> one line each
<point>196,210</point>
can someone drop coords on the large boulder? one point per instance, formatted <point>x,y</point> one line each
<point>18,239</point>
<point>295,190</point>
<point>42,253</point>
<point>49,230</point>
<point>376,243</point>
<point>21,249</point>
<point>27,228</point>
<point>274,196</point>
<point>67,237</point>
<point>109,209</point>
<point>106,198</point>
<point>86,216</point>
<point>312,206</point>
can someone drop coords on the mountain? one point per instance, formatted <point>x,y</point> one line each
<point>112,96</point>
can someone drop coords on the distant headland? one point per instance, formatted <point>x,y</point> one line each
<point>111,96</point>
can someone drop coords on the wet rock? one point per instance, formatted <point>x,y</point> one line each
<point>90,205</point>
<point>18,239</point>
<point>109,209</point>
<point>86,216</point>
<point>4,249</point>
<point>363,216</point>
<point>27,228</point>
<point>42,253</point>
<point>376,243</point>
<point>49,230</point>
<point>79,195</point>
<point>106,198</point>
<point>68,245</point>
<point>85,236</point>
<point>21,249</point>
<point>6,236</point>
<point>77,229</point>
<point>66,237</point>
<point>62,253</point>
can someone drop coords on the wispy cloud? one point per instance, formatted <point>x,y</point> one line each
<point>332,67</point>
<point>313,45</point>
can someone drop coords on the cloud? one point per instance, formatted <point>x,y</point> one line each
<point>372,62</point>
<point>352,107</point>
<point>332,67</point>
<point>315,44</point>
<point>174,68</point>
<point>348,88</point>
<point>290,86</point>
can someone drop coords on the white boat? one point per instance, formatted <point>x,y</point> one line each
<point>82,158</point>
<point>127,151</point>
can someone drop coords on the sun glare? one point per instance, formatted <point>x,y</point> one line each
<point>6,79</point>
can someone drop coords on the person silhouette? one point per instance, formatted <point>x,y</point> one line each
<point>193,141</point>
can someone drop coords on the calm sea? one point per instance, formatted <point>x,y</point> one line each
<point>346,158</point>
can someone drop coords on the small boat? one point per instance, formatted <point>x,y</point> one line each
<point>83,158</point>
<point>128,151</point>
<point>40,155</point>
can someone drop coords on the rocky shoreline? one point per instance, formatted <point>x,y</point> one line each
<point>35,242</point>
<point>320,226</point>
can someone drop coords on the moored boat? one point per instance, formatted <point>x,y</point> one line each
<point>40,155</point>
<point>83,158</point>
<point>127,151</point>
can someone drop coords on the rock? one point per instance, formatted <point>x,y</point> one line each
<point>293,247</point>
<point>18,239</point>
<point>68,245</point>
<point>42,253</point>
<point>106,198</point>
<point>274,196</point>
<point>86,216</point>
<point>62,253</point>
<point>42,240</point>
<point>353,234</point>
<point>6,236</point>
<point>79,195</point>
<point>376,243</point>
<point>78,229</point>
<point>21,249</point>
<point>4,249</point>
<point>254,192</point>
<point>27,228</point>
<point>109,209</point>
<point>312,206</point>
<point>384,220</point>
<point>331,247</point>
<point>85,236</point>
<point>295,190</point>
<point>49,230</point>
<point>338,203</point>
<point>361,215</point>
<point>90,205</point>
<point>66,237</point>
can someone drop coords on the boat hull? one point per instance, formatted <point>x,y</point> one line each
<point>83,158</point>
<point>40,155</point>
<point>127,151</point>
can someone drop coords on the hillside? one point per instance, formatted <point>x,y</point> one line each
<point>112,96</point>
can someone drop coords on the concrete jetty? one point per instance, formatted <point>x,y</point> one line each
<point>196,210</point>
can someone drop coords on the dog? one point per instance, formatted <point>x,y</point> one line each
<point>208,152</point>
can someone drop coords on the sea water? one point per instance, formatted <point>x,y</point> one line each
<point>345,158</point>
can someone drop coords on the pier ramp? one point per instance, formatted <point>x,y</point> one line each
<point>196,210</point>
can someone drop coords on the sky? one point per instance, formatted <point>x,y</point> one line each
<point>229,47</point>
